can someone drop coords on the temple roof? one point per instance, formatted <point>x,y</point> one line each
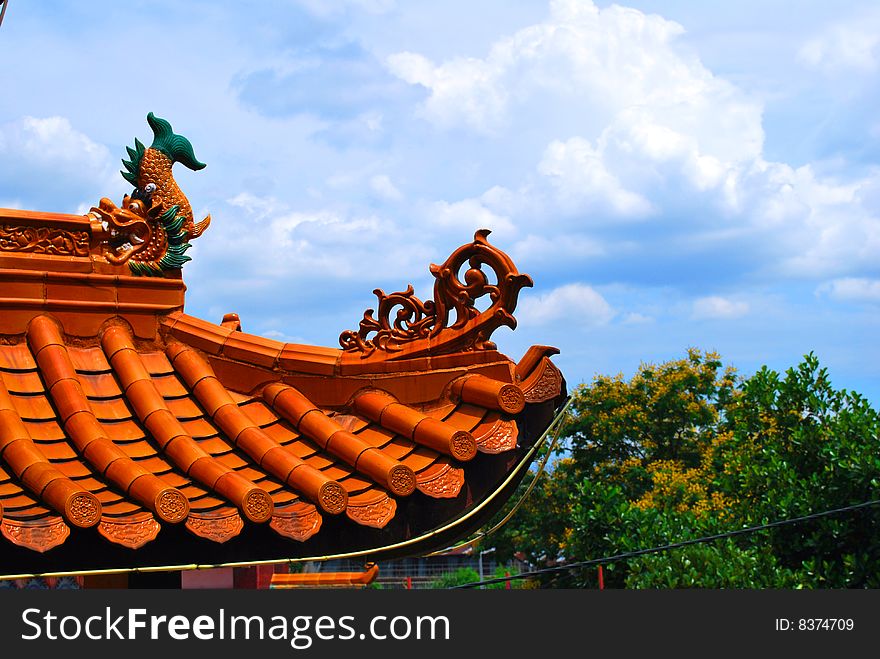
<point>135,435</point>
<point>122,415</point>
<point>124,437</point>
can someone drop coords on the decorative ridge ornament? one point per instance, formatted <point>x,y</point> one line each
<point>152,229</point>
<point>420,328</point>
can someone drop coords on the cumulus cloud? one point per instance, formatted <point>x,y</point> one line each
<point>461,91</point>
<point>715,307</point>
<point>592,61</point>
<point>46,158</point>
<point>305,271</point>
<point>626,112</point>
<point>625,123</point>
<point>540,247</point>
<point>264,239</point>
<point>580,178</point>
<point>578,304</point>
<point>839,230</point>
<point>256,206</point>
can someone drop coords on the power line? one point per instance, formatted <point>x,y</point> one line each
<point>675,545</point>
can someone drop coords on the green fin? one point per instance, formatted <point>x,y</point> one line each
<point>133,166</point>
<point>175,146</point>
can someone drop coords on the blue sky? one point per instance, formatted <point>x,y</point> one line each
<point>671,174</point>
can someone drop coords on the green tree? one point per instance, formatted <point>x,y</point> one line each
<point>795,445</point>
<point>686,449</point>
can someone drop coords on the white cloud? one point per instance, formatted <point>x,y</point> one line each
<point>413,68</point>
<point>635,125</point>
<point>328,242</point>
<point>716,307</point>
<point>281,336</point>
<point>467,215</point>
<point>254,206</point>
<point>593,63</point>
<point>575,169</point>
<point>383,187</point>
<point>839,230</point>
<point>46,158</point>
<point>845,45</point>
<point>624,122</point>
<point>578,304</point>
<point>50,140</point>
<point>648,149</point>
<point>852,289</point>
<point>463,90</point>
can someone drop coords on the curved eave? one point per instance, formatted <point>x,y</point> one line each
<point>545,415</point>
<point>416,458</point>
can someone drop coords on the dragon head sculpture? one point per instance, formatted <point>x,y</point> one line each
<point>152,229</point>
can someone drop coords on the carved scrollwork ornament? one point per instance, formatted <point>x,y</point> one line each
<point>43,240</point>
<point>405,324</point>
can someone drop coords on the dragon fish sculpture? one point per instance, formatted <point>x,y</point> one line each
<point>152,229</point>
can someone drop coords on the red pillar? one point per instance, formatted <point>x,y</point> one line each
<point>264,575</point>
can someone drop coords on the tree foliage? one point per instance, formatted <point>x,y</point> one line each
<point>687,449</point>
